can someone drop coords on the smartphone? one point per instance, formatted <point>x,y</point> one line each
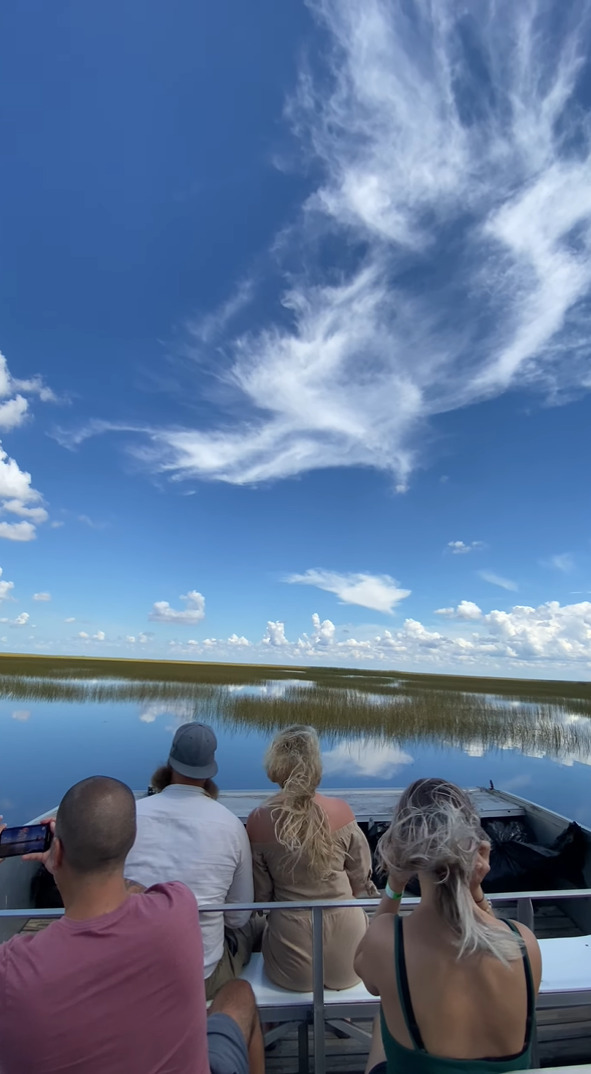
<point>28,840</point>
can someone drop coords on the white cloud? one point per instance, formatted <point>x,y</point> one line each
<point>70,619</point>
<point>466,609</point>
<point>130,638</point>
<point>92,523</point>
<point>551,638</point>
<point>5,589</point>
<point>13,413</point>
<point>34,514</point>
<point>375,757</point>
<point>460,548</point>
<point>239,641</point>
<point>17,494</point>
<point>562,562</point>
<point>99,636</point>
<point>22,715</point>
<point>18,621</point>
<point>275,635</point>
<point>82,634</point>
<point>42,597</point>
<point>211,326</point>
<point>453,157</point>
<point>192,613</point>
<point>17,531</point>
<point>497,579</point>
<point>377,591</point>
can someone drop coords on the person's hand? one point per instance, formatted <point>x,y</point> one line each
<point>43,856</point>
<point>481,869</point>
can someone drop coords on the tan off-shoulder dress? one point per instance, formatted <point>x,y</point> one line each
<point>287,940</point>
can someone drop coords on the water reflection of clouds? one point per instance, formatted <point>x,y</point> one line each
<point>365,757</point>
<point>22,715</point>
<point>275,689</point>
<point>181,711</point>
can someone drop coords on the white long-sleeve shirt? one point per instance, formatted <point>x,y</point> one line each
<point>182,834</point>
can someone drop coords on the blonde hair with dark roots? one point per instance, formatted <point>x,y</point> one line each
<point>436,830</point>
<point>293,761</point>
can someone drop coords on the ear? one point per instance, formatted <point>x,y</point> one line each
<point>56,855</point>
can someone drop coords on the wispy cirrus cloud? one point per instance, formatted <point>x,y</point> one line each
<point>497,579</point>
<point>379,592</point>
<point>453,156</point>
<point>563,562</point>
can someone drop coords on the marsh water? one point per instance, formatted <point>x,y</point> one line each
<point>63,720</point>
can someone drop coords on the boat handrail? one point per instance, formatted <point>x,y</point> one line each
<point>329,904</point>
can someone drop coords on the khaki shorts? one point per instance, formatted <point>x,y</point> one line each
<point>238,947</point>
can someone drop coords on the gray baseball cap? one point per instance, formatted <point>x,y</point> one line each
<point>192,752</point>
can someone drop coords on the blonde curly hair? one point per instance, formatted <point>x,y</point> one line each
<point>293,761</point>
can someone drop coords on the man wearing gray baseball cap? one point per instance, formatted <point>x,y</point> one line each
<point>184,834</point>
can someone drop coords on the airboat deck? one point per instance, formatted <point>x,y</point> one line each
<point>323,1033</point>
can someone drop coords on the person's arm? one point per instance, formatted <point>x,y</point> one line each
<point>393,892</point>
<point>358,866</point>
<point>481,869</point>
<point>370,953</point>
<point>242,888</point>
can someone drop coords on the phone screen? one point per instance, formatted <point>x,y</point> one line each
<point>26,840</point>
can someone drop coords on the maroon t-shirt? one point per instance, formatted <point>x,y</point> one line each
<point>118,994</point>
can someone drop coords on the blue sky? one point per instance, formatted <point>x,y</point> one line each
<point>295,309</point>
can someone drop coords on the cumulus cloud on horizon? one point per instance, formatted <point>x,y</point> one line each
<point>193,611</point>
<point>452,158</point>
<point>550,636</point>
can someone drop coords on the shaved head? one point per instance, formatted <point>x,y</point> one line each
<point>96,824</point>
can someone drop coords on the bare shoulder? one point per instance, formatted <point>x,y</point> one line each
<point>337,810</point>
<point>375,953</point>
<point>533,950</point>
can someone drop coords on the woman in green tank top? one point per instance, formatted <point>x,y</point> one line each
<point>457,986</point>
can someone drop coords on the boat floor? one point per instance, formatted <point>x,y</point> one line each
<point>564,1035</point>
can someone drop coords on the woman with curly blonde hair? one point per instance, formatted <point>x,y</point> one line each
<point>457,986</point>
<point>306,845</point>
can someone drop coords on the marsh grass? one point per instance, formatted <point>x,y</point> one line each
<point>537,718</point>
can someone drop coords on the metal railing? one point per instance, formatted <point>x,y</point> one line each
<point>524,900</point>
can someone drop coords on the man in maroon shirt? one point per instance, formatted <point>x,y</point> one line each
<point>116,985</point>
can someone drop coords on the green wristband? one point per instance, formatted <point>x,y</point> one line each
<point>392,894</point>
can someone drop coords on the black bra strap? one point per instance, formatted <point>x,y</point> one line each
<point>403,989</point>
<point>529,984</point>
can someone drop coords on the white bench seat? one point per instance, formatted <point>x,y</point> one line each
<point>566,971</point>
<point>271,995</point>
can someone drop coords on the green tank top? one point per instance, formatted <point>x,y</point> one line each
<point>416,1060</point>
